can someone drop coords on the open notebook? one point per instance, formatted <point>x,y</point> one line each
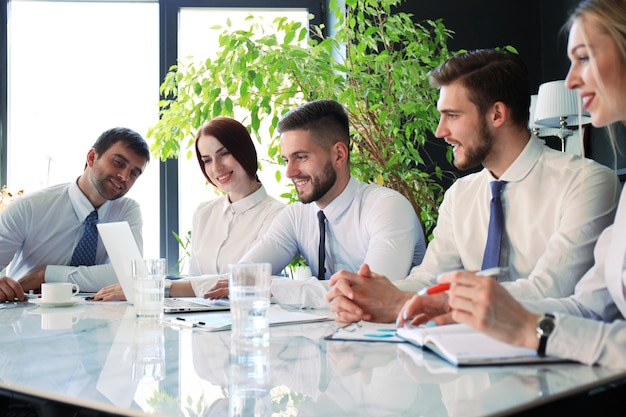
<point>461,345</point>
<point>121,247</point>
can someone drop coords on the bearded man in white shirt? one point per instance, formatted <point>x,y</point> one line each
<point>39,231</point>
<point>555,204</point>
<point>364,222</point>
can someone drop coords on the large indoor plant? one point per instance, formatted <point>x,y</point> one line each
<point>375,62</point>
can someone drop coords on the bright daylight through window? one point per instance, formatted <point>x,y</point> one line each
<point>75,70</point>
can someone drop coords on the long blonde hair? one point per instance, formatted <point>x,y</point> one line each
<point>610,15</point>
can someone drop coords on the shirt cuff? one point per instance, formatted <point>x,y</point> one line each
<point>309,293</point>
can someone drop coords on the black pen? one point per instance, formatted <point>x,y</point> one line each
<point>181,321</point>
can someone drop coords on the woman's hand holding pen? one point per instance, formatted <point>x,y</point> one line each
<point>421,309</point>
<point>484,304</point>
<point>413,311</point>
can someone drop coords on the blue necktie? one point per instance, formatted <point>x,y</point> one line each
<point>491,258</point>
<point>85,251</point>
<point>321,272</point>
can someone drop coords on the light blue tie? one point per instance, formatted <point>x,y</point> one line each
<point>491,258</point>
<point>85,251</point>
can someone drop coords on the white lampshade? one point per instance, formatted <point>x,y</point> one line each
<point>557,104</point>
<point>537,129</point>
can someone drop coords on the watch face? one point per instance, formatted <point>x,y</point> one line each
<point>546,326</point>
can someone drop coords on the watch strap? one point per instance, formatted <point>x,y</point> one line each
<point>543,335</point>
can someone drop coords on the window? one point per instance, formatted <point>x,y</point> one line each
<point>75,70</point>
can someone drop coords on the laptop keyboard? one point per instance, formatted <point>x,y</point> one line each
<point>182,303</point>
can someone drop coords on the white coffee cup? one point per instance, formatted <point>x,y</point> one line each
<point>58,292</point>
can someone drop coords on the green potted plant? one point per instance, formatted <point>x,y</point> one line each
<point>375,62</point>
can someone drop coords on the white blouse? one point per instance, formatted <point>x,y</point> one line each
<point>222,231</point>
<point>590,325</point>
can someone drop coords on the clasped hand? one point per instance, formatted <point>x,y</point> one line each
<point>373,297</point>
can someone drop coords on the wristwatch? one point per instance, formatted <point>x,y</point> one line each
<point>545,327</point>
<point>167,288</point>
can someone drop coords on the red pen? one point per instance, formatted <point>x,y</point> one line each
<point>434,289</point>
<point>437,288</point>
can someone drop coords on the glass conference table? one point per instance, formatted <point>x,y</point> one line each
<point>97,356</point>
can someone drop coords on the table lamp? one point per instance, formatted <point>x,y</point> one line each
<point>559,107</point>
<point>537,129</point>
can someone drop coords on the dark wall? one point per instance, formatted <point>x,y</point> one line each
<point>553,60</point>
<point>488,24</point>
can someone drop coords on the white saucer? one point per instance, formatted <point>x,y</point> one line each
<point>43,303</point>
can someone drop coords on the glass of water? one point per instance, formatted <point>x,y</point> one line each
<point>148,286</point>
<point>249,293</point>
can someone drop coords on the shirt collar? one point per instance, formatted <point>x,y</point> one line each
<point>525,162</point>
<point>82,205</point>
<point>245,203</point>
<point>342,202</point>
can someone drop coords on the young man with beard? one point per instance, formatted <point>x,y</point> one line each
<point>555,205</point>
<point>363,222</point>
<point>39,231</point>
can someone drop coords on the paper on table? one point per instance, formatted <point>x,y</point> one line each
<point>462,345</point>
<point>222,321</point>
<point>418,334</point>
<point>366,332</point>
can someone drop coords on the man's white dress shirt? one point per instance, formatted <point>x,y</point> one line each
<point>366,223</point>
<point>43,228</point>
<point>221,231</point>
<point>555,207</point>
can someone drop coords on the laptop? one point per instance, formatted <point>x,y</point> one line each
<point>121,247</point>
